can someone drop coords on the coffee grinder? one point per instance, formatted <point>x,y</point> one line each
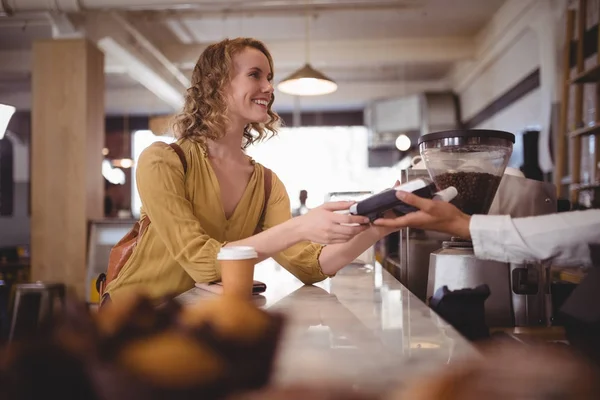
<point>473,161</point>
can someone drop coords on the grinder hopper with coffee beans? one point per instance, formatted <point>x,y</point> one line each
<point>473,294</point>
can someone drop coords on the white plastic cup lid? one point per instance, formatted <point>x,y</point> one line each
<point>237,253</point>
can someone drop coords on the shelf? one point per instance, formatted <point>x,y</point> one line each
<point>584,186</point>
<point>585,131</point>
<point>566,180</point>
<point>591,75</point>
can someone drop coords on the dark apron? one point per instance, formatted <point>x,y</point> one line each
<point>581,312</point>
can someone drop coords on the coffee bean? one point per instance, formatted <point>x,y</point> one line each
<point>476,190</point>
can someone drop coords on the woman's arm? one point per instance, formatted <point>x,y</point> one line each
<point>269,242</point>
<point>320,225</point>
<point>294,242</point>
<point>336,256</point>
<point>332,258</point>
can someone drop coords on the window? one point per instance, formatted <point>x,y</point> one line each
<point>141,140</point>
<point>322,160</point>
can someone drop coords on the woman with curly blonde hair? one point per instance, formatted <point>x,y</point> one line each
<point>206,193</point>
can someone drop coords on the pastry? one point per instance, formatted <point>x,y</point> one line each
<point>232,318</point>
<point>171,360</point>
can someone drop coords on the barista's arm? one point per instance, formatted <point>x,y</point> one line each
<point>564,238</point>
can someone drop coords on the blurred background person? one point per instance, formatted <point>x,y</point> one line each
<point>302,209</point>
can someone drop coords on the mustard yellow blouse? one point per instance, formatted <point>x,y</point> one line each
<point>188,225</point>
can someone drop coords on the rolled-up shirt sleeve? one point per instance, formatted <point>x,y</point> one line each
<point>563,238</point>
<point>301,259</point>
<point>160,181</point>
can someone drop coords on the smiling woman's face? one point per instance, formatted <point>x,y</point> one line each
<point>250,90</point>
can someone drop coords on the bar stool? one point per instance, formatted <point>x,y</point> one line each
<point>35,303</point>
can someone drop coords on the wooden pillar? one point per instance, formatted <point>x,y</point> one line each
<point>66,157</point>
<point>562,154</point>
<point>595,175</point>
<point>578,119</point>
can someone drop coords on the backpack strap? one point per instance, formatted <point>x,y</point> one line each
<point>181,155</point>
<point>268,183</point>
<point>123,250</point>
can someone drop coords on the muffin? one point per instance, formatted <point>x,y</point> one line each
<point>171,360</point>
<point>231,318</point>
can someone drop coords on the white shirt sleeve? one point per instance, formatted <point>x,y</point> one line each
<point>562,238</point>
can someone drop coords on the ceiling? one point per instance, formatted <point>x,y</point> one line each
<point>373,49</point>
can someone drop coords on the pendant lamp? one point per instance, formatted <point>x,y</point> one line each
<point>307,81</point>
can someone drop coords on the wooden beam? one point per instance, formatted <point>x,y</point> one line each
<point>341,53</point>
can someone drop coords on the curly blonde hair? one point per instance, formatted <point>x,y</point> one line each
<point>204,114</point>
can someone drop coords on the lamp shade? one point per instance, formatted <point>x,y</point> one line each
<point>6,112</point>
<point>307,81</point>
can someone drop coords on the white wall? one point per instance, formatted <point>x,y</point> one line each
<point>518,61</point>
<point>523,36</point>
<point>525,113</point>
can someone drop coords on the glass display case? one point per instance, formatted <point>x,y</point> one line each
<point>103,235</point>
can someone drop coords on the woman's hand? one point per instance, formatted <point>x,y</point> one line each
<point>322,225</point>
<point>433,215</point>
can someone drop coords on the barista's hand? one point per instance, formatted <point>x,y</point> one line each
<point>321,225</point>
<point>433,215</point>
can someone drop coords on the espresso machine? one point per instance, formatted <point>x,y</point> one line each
<point>474,161</point>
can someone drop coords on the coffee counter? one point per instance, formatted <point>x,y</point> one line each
<point>361,328</point>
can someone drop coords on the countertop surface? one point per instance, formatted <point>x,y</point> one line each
<point>361,328</point>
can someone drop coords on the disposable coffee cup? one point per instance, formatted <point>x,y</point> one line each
<point>237,269</point>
